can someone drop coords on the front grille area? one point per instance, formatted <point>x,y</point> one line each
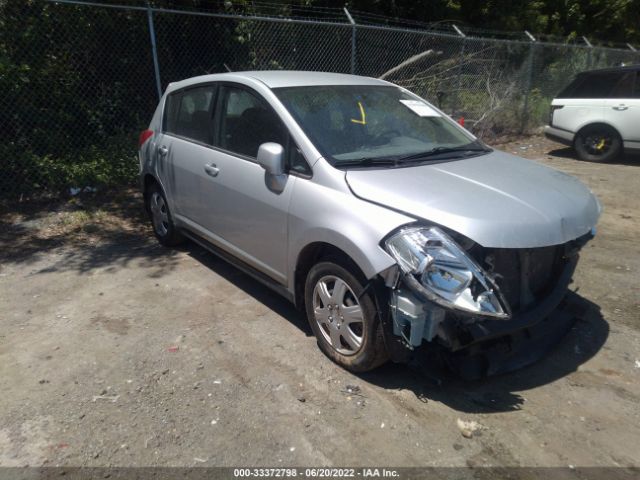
<point>526,275</point>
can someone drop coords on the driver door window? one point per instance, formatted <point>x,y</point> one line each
<point>246,122</point>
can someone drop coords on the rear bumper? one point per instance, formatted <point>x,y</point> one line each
<point>559,135</point>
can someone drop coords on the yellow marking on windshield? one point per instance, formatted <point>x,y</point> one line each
<point>363,118</point>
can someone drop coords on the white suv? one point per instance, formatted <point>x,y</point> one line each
<point>598,113</point>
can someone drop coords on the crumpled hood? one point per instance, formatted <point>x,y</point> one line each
<point>498,200</point>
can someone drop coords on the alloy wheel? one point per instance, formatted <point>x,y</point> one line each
<point>598,143</point>
<point>338,314</point>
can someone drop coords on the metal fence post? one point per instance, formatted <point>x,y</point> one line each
<point>590,47</point>
<point>353,40</point>
<point>459,79</point>
<point>528,82</point>
<point>154,50</point>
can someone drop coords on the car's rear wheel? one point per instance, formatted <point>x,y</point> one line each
<point>598,143</point>
<point>343,317</point>
<point>160,216</point>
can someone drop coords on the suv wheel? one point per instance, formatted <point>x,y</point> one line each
<point>598,144</point>
<point>161,219</point>
<point>344,318</point>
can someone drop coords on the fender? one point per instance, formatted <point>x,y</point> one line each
<point>337,217</point>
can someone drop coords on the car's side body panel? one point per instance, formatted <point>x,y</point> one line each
<point>319,212</point>
<point>577,113</point>
<point>238,196</point>
<point>624,115</point>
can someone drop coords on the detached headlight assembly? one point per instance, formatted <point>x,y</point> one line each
<point>437,267</point>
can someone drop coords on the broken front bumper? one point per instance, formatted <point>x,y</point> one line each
<point>476,347</point>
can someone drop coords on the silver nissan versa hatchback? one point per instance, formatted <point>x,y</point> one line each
<point>393,228</point>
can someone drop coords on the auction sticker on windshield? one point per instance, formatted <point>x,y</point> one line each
<point>420,108</point>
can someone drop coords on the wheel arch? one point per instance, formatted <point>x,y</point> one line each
<point>310,255</point>
<point>347,254</point>
<point>147,180</point>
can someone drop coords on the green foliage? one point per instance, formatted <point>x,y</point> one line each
<point>608,21</point>
<point>108,164</point>
<point>75,89</point>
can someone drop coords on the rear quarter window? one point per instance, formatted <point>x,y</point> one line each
<point>171,112</point>
<point>624,86</point>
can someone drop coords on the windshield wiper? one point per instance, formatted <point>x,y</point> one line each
<point>366,162</point>
<point>439,151</point>
<point>394,162</point>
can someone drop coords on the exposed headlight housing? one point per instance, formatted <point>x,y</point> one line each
<point>437,267</point>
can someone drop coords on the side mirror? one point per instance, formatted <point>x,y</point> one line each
<point>271,158</point>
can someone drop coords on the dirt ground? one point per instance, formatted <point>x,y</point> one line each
<point>116,351</point>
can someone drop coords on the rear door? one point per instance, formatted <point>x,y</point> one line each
<point>622,108</point>
<point>582,102</point>
<point>186,149</point>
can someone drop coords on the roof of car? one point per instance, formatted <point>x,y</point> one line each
<point>612,69</point>
<point>284,78</point>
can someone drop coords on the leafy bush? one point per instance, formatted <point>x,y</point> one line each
<point>108,163</point>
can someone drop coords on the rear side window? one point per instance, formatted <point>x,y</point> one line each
<point>190,114</point>
<point>624,87</point>
<point>600,85</point>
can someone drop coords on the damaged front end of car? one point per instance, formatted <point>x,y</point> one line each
<point>486,310</point>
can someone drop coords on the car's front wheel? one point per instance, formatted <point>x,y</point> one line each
<point>598,143</point>
<point>343,317</point>
<point>160,216</point>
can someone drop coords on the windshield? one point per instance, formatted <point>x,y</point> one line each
<point>360,125</point>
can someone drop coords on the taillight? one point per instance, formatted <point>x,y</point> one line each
<point>144,136</point>
<point>553,109</point>
<point>461,121</point>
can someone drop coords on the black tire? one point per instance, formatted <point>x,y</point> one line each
<point>598,143</point>
<point>372,352</point>
<point>166,232</point>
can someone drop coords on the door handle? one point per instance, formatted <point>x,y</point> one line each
<point>162,150</point>
<point>620,107</point>
<point>212,170</point>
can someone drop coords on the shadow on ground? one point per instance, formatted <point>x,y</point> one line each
<point>434,382</point>
<point>500,393</point>
<point>625,159</point>
<point>84,235</point>
<point>250,286</point>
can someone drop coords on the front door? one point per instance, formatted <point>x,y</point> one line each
<point>243,214</point>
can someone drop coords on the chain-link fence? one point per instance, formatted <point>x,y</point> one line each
<point>78,81</point>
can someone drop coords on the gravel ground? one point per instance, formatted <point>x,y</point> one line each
<point>115,351</point>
